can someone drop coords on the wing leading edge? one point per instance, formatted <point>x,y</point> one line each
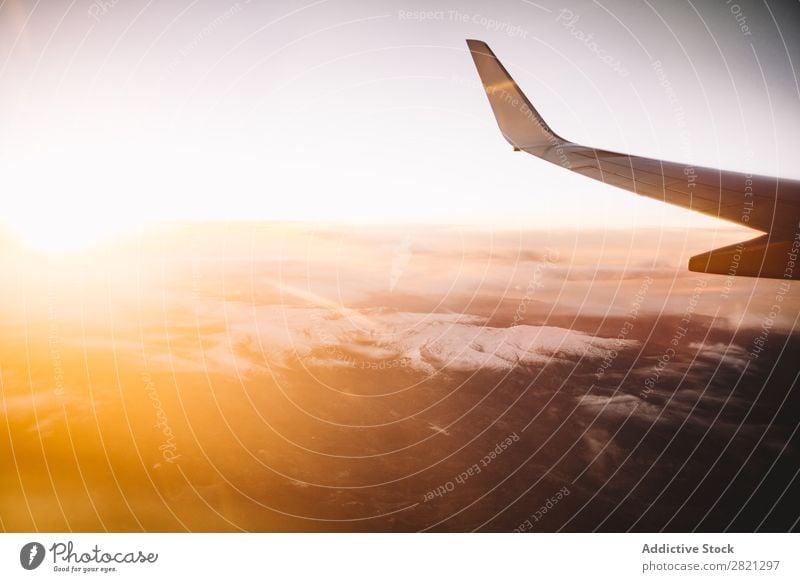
<point>771,205</point>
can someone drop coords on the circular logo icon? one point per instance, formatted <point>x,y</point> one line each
<point>31,555</point>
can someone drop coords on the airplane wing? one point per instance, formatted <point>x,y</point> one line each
<point>771,205</point>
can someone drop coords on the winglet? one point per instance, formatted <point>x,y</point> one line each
<point>519,122</point>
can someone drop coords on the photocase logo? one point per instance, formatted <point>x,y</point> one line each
<point>31,555</point>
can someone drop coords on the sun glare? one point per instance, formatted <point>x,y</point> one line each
<point>67,234</point>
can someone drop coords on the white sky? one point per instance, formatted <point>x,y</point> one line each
<point>364,112</point>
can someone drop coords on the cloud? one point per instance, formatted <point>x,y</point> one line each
<point>621,405</point>
<point>733,356</point>
<point>278,335</point>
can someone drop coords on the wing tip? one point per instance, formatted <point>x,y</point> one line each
<point>519,122</point>
<point>479,46</point>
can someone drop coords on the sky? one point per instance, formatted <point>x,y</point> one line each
<point>121,112</point>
